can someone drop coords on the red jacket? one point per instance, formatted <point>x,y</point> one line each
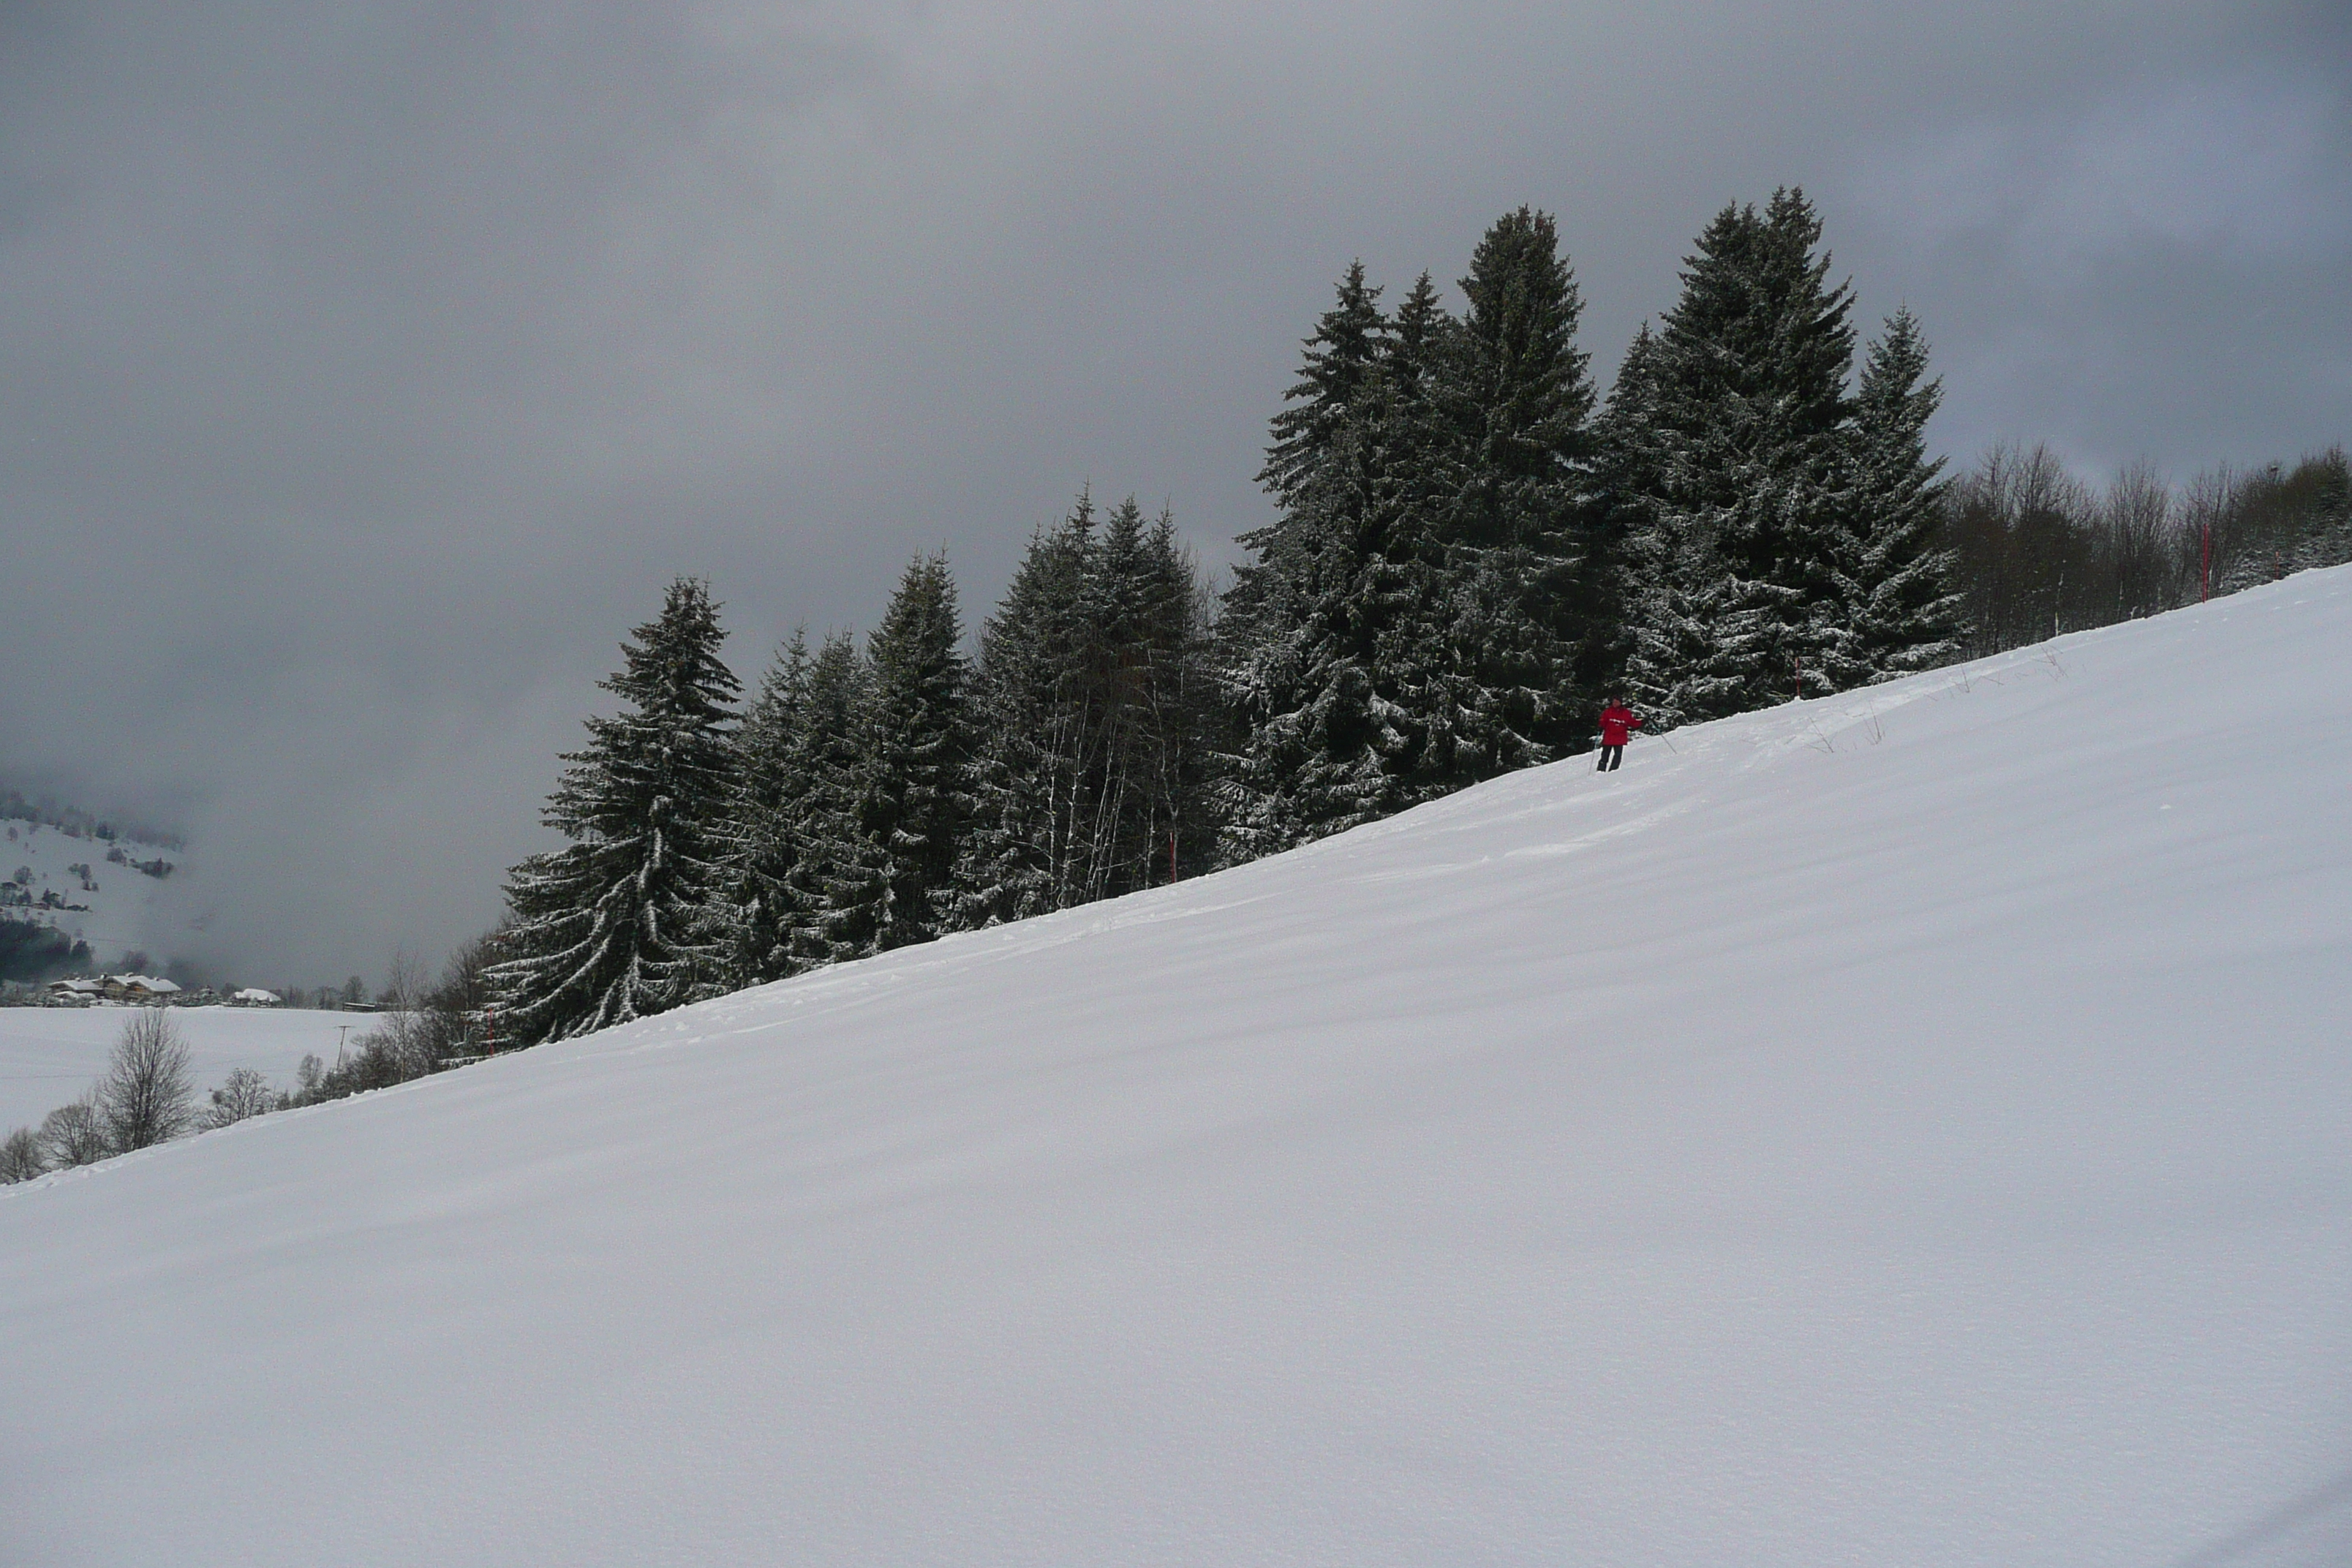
<point>1616,721</point>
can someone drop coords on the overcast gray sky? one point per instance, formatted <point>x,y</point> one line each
<point>365,371</point>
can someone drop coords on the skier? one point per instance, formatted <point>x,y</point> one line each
<point>1617,723</point>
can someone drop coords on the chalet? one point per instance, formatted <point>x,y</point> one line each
<point>139,988</point>
<point>254,996</point>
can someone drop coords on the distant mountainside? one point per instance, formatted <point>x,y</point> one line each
<point>77,889</point>
<point>15,807</point>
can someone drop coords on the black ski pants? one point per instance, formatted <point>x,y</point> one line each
<point>1610,756</point>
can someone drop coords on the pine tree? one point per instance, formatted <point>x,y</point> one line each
<point>1414,620</point>
<point>1741,470</point>
<point>1149,685</point>
<point>1512,608</point>
<point>1018,856</point>
<point>1341,355</point>
<point>1522,384</point>
<point>1894,609</point>
<point>767,901</point>
<point>1093,698</point>
<point>622,922</point>
<point>1302,618</point>
<point>839,881</point>
<point>1691,627</point>
<point>1698,631</point>
<point>916,795</point>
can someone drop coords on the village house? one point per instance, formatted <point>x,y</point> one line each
<point>142,990</point>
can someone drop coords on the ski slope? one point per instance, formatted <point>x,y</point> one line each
<point>50,1054</point>
<point>1912,1129</point>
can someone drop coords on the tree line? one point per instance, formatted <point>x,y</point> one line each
<point>2037,553</point>
<point>869,798</point>
<point>1472,551</point>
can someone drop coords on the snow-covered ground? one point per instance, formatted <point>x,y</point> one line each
<point>49,1054</point>
<point>1913,1128</point>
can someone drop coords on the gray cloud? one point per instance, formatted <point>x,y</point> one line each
<point>364,371</point>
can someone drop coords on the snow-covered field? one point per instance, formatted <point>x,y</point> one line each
<point>49,1054</point>
<point>1910,1128</point>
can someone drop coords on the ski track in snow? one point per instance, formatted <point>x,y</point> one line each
<point>1910,1127</point>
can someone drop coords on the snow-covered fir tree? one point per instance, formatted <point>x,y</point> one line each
<point>1691,627</point>
<point>769,899</point>
<point>1148,692</point>
<point>1028,725</point>
<point>1342,356</point>
<point>1412,621</point>
<point>1742,469</point>
<point>1510,543</point>
<point>2327,539</point>
<point>839,878</point>
<point>916,796</point>
<point>1894,609</point>
<point>623,921</point>
<point>1326,747</point>
<point>1092,705</point>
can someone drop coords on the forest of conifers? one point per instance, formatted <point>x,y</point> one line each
<point>1472,549</point>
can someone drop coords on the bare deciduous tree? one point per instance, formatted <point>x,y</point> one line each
<point>74,1135</point>
<point>144,1097</point>
<point>20,1156</point>
<point>245,1093</point>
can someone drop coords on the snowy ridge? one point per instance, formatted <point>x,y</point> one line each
<point>1902,1128</point>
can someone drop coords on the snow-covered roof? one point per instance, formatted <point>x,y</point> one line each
<point>154,984</point>
<point>255,993</point>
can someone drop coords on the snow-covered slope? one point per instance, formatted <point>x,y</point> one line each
<point>50,1054</point>
<point>1909,1128</point>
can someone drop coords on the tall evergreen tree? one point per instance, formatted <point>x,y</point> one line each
<point>1510,546</point>
<point>1411,622</point>
<point>773,784</point>
<point>1027,721</point>
<point>1342,356</point>
<point>1522,386</point>
<point>917,797</point>
<point>1689,632</point>
<point>1301,624</point>
<point>619,924</point>
<point>1092,701</point>
<point>1140,685</point>
<point>1016,851</point>
<point>839,881</point>
<point>1894,609</point>
<point>1743,469</point>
